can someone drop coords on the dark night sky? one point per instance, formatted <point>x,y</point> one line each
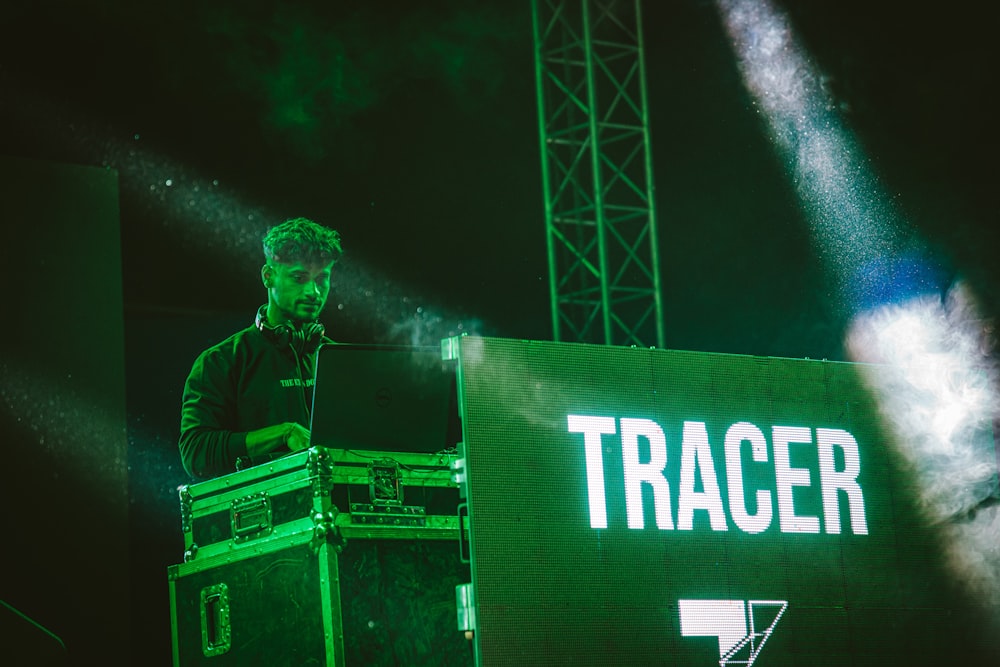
<point>412,128</point>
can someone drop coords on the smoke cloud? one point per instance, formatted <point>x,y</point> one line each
<point>937,386</point>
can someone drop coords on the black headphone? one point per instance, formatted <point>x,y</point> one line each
<point>304,340</point>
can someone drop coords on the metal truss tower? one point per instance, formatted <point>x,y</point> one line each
<point>597,172</point>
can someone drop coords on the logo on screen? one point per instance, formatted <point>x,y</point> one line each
<point>742,628</point>
<point>835,451</point>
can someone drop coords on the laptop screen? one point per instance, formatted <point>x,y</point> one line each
<point>385,398</point>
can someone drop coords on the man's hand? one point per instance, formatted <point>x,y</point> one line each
<point>290,434</point>
<point>297,437</point>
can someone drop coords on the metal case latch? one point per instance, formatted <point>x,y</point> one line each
<point>385,482</point>
<point>251,517</point>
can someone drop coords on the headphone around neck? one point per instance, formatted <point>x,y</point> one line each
<point>304,339</point>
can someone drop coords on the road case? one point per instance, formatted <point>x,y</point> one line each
<point>322,557</point>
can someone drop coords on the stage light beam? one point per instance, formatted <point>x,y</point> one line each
<point>852,220</point>
<point>936,388</point>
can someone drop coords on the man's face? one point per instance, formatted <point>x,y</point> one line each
<point>298,291</point>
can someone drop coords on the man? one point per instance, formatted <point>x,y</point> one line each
<point>247,398</point>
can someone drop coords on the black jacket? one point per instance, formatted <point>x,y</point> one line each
<point>244,383</point>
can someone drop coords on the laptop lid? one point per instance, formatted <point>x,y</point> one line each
<point>384,397</point>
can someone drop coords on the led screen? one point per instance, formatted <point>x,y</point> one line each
<point>653,507</point>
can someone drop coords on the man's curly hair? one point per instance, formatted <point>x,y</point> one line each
<point>301,240</point>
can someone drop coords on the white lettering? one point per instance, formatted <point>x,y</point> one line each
<point>845,480</point>
<point>651,473</point>
<point>788,477</point>
<point>735,437</point>
<point>696,455</point>
<point>696,451</point>
<point>593,428</point>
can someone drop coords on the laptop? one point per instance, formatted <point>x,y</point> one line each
<point>390,398</point>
